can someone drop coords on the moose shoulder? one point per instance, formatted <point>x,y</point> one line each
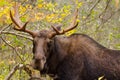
<point>76,57</point>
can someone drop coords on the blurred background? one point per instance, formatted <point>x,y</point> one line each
<point>100,19</point>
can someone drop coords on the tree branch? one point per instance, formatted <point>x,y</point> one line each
<point>5,27</point>
<point>91,9</point>
<point>13,33</point>
<point>12,72</point>
<point>25,68</point>
<point>107,5</point>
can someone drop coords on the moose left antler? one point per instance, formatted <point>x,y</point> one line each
<point>21,26</point>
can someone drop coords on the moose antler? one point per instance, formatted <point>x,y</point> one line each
<point>20,26</point>
<point>73,25</point>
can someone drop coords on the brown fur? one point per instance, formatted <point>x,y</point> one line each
<point>79,57</point>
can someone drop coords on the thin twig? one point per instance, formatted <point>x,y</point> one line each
<point>83,23</point>
<point>12,72</point>
<point>5,27</point>
<point>112,14</point>
<point>107,5</point>
<point>13,49</point>
<point>91,9</point>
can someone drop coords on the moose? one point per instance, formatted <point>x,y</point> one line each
<point>74,57</point>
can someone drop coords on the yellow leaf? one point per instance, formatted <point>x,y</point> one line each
<point>84,17</point>
<point>40,5</point>
<point>70,32</point>
<point>100,78</point>
<point>39,16</point>
<point>51,17</point>
<point>63,15</point>
<point>78,20</point>
<point>22,9</point>
<point>79,4</point>
<point>1,62</point>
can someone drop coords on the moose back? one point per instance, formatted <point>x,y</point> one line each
<point>76,57</point>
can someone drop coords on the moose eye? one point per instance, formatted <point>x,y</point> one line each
<point>49,43</point>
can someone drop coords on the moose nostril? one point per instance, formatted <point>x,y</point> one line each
<point>40,59</point>
<point>37,60</point>
<point>36,67</point>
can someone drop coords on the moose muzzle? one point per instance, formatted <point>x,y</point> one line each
<point>38,63</point>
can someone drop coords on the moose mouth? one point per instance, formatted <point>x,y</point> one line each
<point>38,65</point>
<point>44,70</point>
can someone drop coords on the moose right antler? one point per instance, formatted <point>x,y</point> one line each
<point>73,25</point>
<point>20,26</point>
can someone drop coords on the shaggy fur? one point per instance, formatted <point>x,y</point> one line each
<point>78,57</point>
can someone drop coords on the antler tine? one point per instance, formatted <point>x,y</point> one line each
<point>20,26</point>
<point>55,29</point>
<point>73,25</point>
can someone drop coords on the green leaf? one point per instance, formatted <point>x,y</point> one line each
<point>3,47</point>
<point>40,1</point>
<point>3,2</point>
<point>23,19</point>
<point>117,36</point>
<point>117,46</point>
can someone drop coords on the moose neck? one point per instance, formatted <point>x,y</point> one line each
<point>74,44</point>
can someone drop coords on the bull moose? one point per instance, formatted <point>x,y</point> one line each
<point>74,57</point>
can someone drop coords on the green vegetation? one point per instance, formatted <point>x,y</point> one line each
<point>99,19</point>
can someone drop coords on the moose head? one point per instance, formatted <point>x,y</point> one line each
<point>41,39</point>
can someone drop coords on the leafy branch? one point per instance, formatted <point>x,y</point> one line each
<point>26,68</point>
